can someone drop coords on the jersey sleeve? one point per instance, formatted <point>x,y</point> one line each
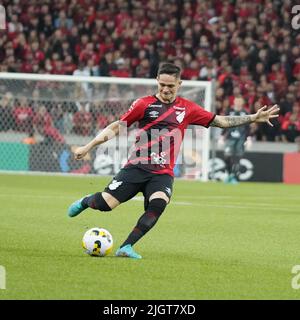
<point>200,116</point>
<point>134,113</point>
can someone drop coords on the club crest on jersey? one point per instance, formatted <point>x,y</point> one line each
<point>180,117</point>
<point>115,184</point>
<point>153,114</point>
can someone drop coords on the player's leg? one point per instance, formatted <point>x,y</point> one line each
<point>235,169</point>
<point>120,189</point>
<point>228,158</point>
<point>102,201</point>
<point>238,154</point>
<point>234,164</point>
<point>157,195</point>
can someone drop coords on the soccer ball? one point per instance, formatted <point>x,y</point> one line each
<point>97,242</point>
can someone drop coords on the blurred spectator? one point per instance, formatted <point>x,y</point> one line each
<point>62,21</point>
<point>100,115</point>
<point>143,69</point>
<point>291,124</point>
<point>91,69</point>
<point>122,69</point>
<point>81,70</point>
<point>43,124</point>
<point>57,115</point>
<point>6,118</point>
<point>234,141</point>
<point>68,122</point>
<point>69,65</point>
<point>23,115</point>
<point>107,64</point>
<point>83,89</point>
<point>82,121</point>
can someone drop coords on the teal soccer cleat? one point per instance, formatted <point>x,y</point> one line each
<point>127,252</point>
<point>231,179</point>
<point>76,208</point>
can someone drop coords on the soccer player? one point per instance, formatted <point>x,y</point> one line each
<point>150,167</point>
<point>234,139</point>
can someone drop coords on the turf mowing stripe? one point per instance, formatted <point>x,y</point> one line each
<point>245,206</point>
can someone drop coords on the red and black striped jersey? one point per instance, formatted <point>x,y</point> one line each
<point>161,129</point>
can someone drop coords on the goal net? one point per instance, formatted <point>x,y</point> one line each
<point>43,118</point>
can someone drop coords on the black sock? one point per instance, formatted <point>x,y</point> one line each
<point>95,201</point>
<point>229,164</point>
<point>236,167</point>
<point>146,221</point>
<point>84,202</point>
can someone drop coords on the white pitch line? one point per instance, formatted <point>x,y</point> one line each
<point>173,202</point>
<point>30,196</point>
<point>181,203</point>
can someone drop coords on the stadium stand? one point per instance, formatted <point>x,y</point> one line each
<point>249,47</point>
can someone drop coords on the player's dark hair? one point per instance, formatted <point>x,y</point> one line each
<point>170,69</point>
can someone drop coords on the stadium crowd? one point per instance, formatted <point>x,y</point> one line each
<point>248,47</point>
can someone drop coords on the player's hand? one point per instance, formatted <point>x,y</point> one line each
<point>80,153</point>
<point>265,115</point>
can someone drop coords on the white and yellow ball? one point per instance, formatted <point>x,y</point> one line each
<point>97,242</point>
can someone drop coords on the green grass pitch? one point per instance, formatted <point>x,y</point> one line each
<point>214,241</point>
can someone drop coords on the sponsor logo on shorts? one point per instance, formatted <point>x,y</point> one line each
<point>114,185</point>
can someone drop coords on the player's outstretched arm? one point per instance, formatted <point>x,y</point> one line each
<point>262,115</point>
<point>106,134</point>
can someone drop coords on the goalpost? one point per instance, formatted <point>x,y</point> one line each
<point>44,117</point>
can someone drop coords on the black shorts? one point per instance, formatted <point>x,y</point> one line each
<point>132,180</point>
